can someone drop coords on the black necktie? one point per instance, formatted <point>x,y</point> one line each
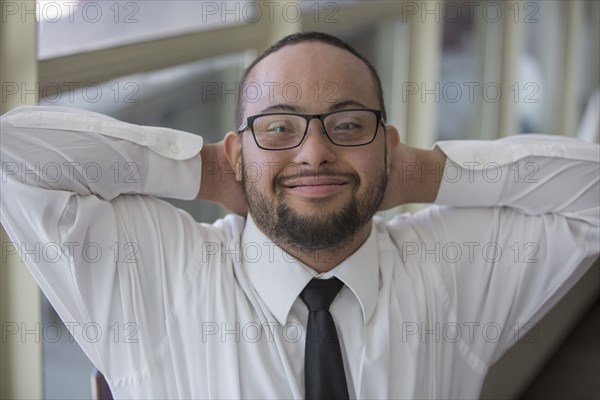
<point>324,376</point>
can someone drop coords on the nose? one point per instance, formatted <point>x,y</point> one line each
<point>316,149</point>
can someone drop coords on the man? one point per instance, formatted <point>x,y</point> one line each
<point>422,305</point>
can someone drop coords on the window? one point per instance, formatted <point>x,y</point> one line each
<point>70,27</point>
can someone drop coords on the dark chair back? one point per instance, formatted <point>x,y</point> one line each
<point>100,388</point>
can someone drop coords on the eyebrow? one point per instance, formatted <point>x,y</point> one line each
<point>280,107</point>
<point>292,108</point>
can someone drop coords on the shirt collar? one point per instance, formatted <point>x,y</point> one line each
<point>278,277</point>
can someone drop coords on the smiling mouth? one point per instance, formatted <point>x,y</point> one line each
<point>316,186</point>
<point>315,182</point>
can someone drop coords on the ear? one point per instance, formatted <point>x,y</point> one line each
<point>392,140</point>
<point>232,145</point>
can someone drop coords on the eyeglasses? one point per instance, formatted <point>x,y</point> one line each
<point>283,131</point>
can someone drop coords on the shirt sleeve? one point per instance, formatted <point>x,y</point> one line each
<point>89,153</point>
<point>515,227</point>
<point>522,172</point>
<point>78,205</point>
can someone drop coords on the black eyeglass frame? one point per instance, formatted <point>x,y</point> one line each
<point>249,123</point>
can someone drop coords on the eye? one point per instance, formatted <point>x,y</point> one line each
<point>346,126</point>
<point>277,128</point>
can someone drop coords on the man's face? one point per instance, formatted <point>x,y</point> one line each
<point>317,195</point>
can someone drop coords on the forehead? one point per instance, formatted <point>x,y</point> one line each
<point>310,77</point>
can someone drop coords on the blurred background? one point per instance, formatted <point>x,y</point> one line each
<point>449,69</point>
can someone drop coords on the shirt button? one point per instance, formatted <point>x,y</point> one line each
<point>174,148</point>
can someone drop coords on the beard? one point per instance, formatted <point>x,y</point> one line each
<point>310,232</point>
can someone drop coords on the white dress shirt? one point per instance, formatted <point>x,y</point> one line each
<point>171,308</point>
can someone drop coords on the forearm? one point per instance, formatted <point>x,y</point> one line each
<point>414,176</point>
<point>219,182</point>
<point>424,176</point>
<point>213,172</point>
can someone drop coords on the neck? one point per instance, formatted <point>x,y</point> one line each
<point>324,260</point>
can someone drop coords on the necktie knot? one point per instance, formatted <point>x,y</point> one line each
<point>320,293</point>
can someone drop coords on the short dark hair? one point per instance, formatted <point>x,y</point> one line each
<point>299,38</point>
